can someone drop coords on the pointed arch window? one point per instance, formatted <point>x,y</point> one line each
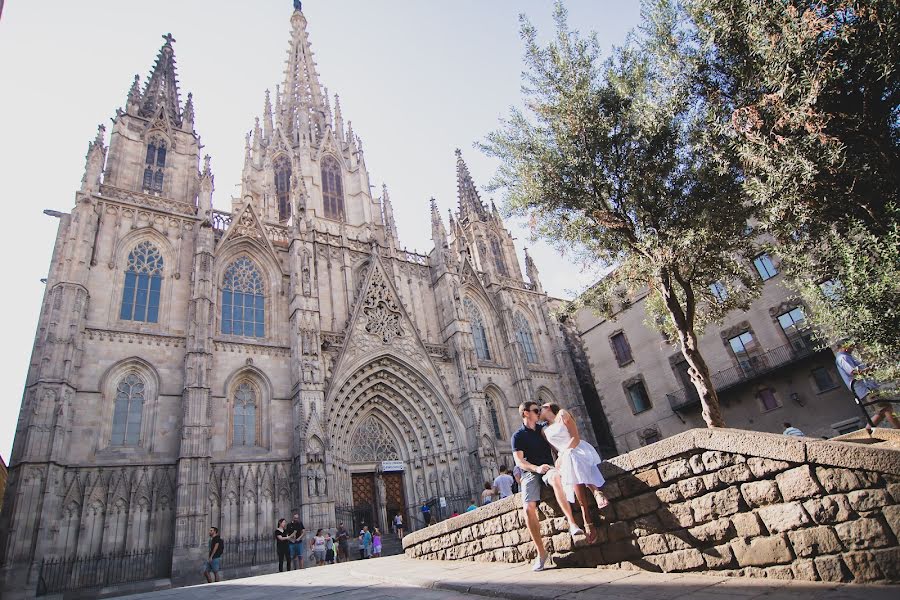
<point>143,282</point>
<point>498,257</point>
<point>283,187</point>
<point>482,350</point>
<point>332,189</point>
<point>495,421</point>
<point>244,417</point>
<point>154,164</point>
<point>524,337</point>
<point>129,407</point>
<point>243,300</point>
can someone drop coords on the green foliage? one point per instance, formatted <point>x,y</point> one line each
<point>809,95</point>
<point>615,162</point>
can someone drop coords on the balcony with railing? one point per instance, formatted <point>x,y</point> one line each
<point>749,369</point>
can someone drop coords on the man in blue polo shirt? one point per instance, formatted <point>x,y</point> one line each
<point>533,454</point>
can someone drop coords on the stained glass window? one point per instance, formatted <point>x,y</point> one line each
<point>244,415</point>
<point>498,257</point>
<point>524,337</point>
<point>127,412</point>
<point>243,300</point>
<point>283,187</point>
<point>478,330</point>
<point>143,281</point>
<point>332,189</point>
<point>495,422</point>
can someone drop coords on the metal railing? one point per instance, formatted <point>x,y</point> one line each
<point>249,551</point>
<point>61,574</point>
<point>750,368</point>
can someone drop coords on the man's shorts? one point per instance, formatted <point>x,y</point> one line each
<point>531,485</point>
<point>296,550</point>
<point>214,564</point>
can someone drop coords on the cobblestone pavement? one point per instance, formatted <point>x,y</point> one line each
<point>400,577</point>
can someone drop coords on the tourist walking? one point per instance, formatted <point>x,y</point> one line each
<point>282,545</point>
<point>533,454</point>
<point>398,526</point>
<point>296,532</point>
<point>214,559</point>
<point>426,515</point>
<point>866,390</point>
<point>577,461</point>
<point>329,548</point>
<point>376,543</point>
<point>487,494</point>
<point>472,506</point>
<point>365,542</point>
<point>791,430</point>
<point>343,543</point>
<point>318,547</point>
<point>503,483</point>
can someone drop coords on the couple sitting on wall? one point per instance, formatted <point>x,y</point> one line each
<point>547,429</point>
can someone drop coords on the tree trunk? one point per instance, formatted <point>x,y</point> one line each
<point>697,369</point>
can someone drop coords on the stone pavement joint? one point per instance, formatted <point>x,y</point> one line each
<point>401,577</point>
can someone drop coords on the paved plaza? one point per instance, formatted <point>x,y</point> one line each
<point>401,577</point>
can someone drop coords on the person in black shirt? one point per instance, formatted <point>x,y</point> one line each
<point>296,532</point>
<point>283,545</point>
<point>214,561</point>
<point>534,456</point>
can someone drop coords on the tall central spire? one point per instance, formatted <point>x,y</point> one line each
<point>303,102</point>
<point>162,86</point>
<point>471,208</point>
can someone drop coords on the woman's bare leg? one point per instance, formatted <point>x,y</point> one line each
<point>599,497</point>
<point>581,495</point>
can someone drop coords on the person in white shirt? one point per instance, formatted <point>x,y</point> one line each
<point>503,483</point>
<point>791,430</point>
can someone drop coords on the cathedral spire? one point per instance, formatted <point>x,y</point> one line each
<point>390,226</point>
<point>267,119</point>
<point>532,272</point>
<point>438,233</point>
<point>470,205</point>
<point>188,114</point>
<point>134,96</point>
<point>93,162</point>
<point>162,86</point>
<point>302,93</point>
<point>338,119</point>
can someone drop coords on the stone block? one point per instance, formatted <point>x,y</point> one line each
<point>714,460</point>
<point>621,550</point>
<point>527,550</point>
<point>562,542</point>
<point>631,485</point>
<point>829,510</point>
<point>815,541</point>
<point>669,494</point>
<point>763,467</point>
<point>678,540</point>
<point>738,473</point>
<point>865,533</point>
<point>692,487</point>
<point>712,482</point>
<point>856,456</point>
<point>611,490</point>
<point>677,469</point>
<point>783,572</point>
<point>676,516</point>
<point>894,490</point>
<point>864,500</point>
<point>760,493</point>
<point>649,477</point>
<point>680,560</point>
<point>805,570</point>
<point>863,566</point>
<point>491,542</point>
<point>565,559</point>
<point>512,520</point>
<point>718,557</point>
<point>717,504</point>
<point>637,506</point>
<point>712,532</point>
<point>646,525</point>
<point>837,480</point>
<point>889,562</point>
<point>653,544</point>
<point>831,568</point>
<point>696,464</point>
<point>798,483</point>
<point>783,517</point>
<point>746,524</point>
<point>762,551</point>
<point>619,530</point>
<point>512,538</point>
<point>892,517</point>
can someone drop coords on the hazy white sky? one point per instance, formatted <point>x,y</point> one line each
<point>417,78</point>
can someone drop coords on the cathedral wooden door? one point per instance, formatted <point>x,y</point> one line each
<point>363,499</point>
<point>395,501</point>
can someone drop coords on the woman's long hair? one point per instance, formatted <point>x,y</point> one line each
<point>280,521</point>
<point>556,409</point>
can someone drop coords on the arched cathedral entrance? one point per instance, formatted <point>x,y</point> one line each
<point>376,475</point>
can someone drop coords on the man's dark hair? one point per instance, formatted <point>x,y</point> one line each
<point>216,529</point>
<point>786,424</point>
<point>526,406</point>
<point>503,468</point>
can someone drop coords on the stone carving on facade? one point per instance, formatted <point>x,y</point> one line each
<point>382,310</point>
<point>372,443</point>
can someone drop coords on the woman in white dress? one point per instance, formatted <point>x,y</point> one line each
<point>576,460</point>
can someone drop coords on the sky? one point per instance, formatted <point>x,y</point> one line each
<point>418,78</point>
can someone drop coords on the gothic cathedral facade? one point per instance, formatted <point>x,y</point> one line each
<point>194,367</point>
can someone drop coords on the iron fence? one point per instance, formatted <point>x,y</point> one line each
<point>354,517</point>
<point>749,369</point>
<point>249,551</point>
<point>60,574</point>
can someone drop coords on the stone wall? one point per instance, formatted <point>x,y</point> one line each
<point>735,502</point>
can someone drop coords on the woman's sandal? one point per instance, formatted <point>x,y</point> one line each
<point>591,533</point>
